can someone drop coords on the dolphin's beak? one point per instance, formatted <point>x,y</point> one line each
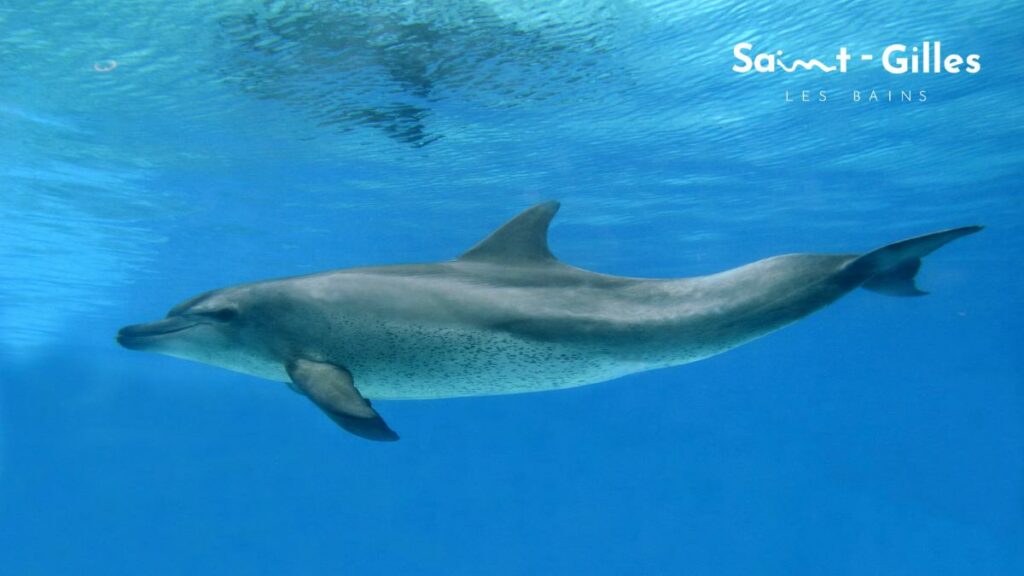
<point>140,336</point>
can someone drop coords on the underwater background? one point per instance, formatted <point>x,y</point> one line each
<point>151,151</point>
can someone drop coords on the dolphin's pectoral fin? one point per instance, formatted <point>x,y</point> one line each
<point>330,387</point>
<point>523,239</point>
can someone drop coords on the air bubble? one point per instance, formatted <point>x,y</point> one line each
<point>104,66</point>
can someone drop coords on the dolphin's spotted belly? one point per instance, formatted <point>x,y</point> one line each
<point>420,362</point>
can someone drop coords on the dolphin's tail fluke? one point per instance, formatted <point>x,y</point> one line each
<point>891,269</point>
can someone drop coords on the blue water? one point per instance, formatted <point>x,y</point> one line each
<point>150,151</point>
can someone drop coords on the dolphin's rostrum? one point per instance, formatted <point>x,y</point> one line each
<point>504,317</point>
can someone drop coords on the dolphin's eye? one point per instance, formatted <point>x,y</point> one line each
<point>222,314</point>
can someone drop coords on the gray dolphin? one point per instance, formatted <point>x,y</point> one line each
<point>505,317</point>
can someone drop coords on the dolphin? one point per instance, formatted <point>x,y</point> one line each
<point>504,317</point>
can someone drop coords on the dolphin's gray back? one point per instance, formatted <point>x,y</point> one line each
<point>470,328</point>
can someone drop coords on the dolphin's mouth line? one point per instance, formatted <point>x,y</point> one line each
<point>138,333</point>
<point>170,330</point>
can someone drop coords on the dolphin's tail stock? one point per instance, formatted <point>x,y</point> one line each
<point>891,269</point>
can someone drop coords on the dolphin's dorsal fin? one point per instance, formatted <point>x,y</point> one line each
<point>522,240</point>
